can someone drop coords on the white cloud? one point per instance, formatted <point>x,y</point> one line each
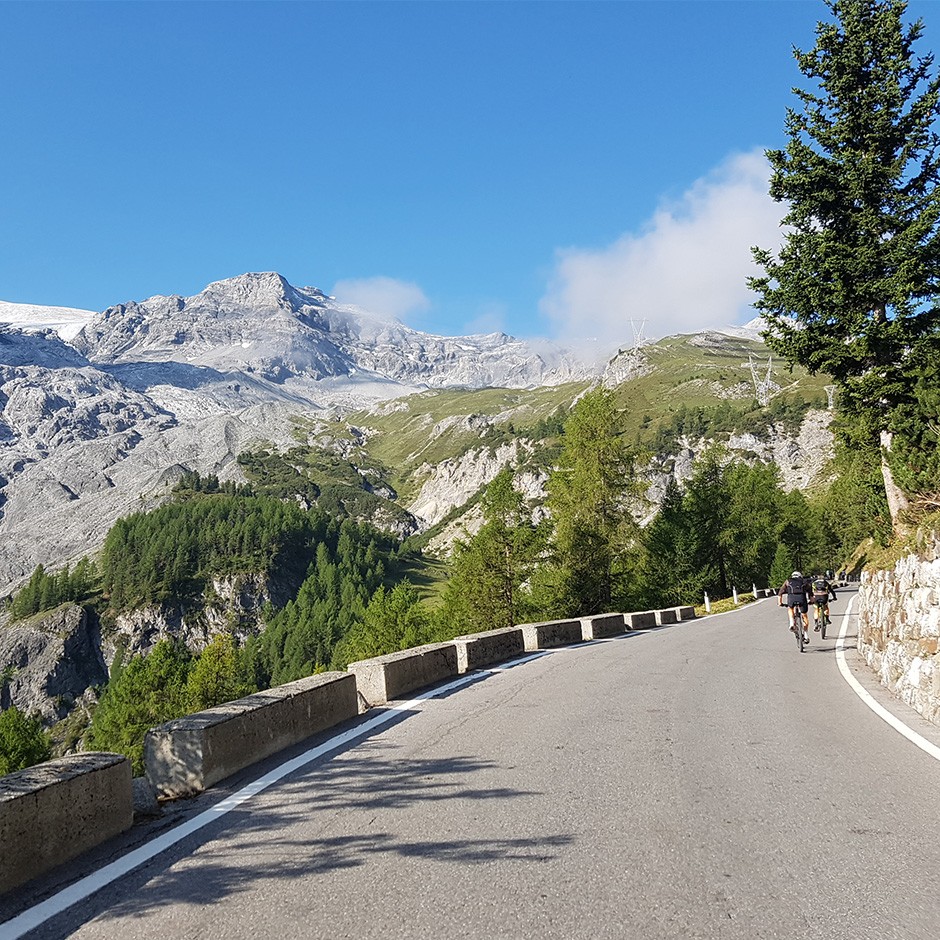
<point>685,271</point>
<point>383,296</point>
<point>491,318</point>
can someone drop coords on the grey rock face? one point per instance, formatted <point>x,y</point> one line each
<point>231,604</point>
<point>40,348</point>
<point>51,661</point>
<point>79,449</point>
<point>260,325</point>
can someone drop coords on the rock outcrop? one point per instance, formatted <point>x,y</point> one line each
<point>50,662</point>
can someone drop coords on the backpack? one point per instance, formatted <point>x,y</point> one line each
<point>796,587</point>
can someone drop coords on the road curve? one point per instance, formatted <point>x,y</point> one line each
<point>703,780</point>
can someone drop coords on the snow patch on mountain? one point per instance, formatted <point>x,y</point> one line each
<point>66,321</point>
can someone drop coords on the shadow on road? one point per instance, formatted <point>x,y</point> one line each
<point>290,833</point>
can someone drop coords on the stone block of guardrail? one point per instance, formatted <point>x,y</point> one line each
<point>540,636</point>
<point>685,613</point>
<point>51,813</point>
<point>477,650</point>
<point>599,626</point>
<point>394,675</point>
<point>187,755</point>
<point>641,620</point>
<point>669,615</point>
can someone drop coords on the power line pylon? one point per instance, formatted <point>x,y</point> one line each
<point>765,387</point>
<point>639,337</point>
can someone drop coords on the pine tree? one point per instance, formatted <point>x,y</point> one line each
<point>146,691</point>
<point>706,503</point>
<point>590,497</point>
<point>853,290</point>
<point>217,675</point>
<point>668,573</point>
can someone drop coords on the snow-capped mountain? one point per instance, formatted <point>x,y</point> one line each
<point>261,326</point>
<point>96,428</point>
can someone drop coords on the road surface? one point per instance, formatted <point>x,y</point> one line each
<point>703,780</point>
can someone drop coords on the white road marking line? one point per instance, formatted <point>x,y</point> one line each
<point>927,746</point>
<point>34,916</point>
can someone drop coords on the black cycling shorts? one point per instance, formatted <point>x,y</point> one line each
<point>798,600</point>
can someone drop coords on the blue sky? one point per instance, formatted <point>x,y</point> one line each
<point>550,169</point>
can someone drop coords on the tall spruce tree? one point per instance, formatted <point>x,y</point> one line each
<point>853,290</point>
<point>590,494</point>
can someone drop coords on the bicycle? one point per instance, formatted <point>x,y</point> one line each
<point>819,617</point>
<point>796,626</point>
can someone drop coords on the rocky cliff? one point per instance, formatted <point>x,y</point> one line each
<point>50,662</point>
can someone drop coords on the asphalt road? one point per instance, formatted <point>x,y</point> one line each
<point>701,780</point>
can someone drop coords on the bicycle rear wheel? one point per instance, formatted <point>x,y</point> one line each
<point>798,629</point>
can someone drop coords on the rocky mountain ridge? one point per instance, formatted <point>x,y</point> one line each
<point>104,426</point>
<point>260,325</point>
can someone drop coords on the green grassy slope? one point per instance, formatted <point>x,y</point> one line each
<point>690,385</point>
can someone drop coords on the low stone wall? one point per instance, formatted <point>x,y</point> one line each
<point>551,633</point>
<point>384,678</point>
<point>477,650</point>
<point>187,755</point>
<point>899,628</point>
<point>54,811</point>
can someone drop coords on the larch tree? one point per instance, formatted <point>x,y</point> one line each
<point>487,590</point>
<point>590,495</point>
<point>853,289</point>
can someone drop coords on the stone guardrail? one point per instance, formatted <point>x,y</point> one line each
<point>551,633</point>
<point>388,677</point>
<point>602,626</point>
<point>51,813</point>
<point>189,754</point>
<point>40,828</point>
<point>476,650</point>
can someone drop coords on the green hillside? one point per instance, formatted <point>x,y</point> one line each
<point>371,463</point>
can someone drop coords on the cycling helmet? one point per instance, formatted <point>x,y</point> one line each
<point>796,574</point>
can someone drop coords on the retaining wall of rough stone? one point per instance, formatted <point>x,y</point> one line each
<point>899,628</point>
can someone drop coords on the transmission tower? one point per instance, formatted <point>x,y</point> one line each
<point>639,337</point>
<point>765,387</point>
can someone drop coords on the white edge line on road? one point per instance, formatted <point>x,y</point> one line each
<point>34,916</point>
<point>882,712</point>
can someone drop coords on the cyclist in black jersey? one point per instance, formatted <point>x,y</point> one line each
<point>821,591</point>
<point>796,592</point>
